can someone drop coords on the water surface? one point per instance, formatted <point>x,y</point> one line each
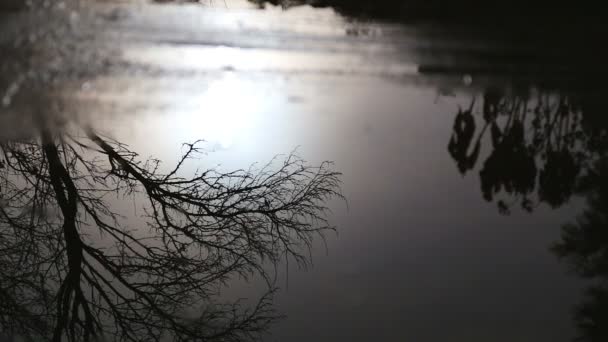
<point>447,230</point>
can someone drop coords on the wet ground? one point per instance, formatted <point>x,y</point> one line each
<point>463,149</point>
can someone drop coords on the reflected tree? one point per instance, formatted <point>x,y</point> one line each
<point>584,246</point>
<point>460,143</point>
<point>539,146</point>
<point>546,148</point>
<point>74,268</point>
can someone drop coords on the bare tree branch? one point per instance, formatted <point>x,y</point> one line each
<point>139,283</point>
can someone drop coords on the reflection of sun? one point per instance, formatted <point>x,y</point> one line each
<point>224,112</point>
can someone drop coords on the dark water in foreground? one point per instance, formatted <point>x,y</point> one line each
<point>472,159</point>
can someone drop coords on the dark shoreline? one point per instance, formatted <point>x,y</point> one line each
<point>510,13</point>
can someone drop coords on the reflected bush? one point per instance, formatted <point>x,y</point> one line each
<point>539,145</point>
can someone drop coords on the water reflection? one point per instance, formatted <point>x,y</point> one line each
<point>584,246</point>
<point>256,83</point>
<point>546,147</point>
<point>77,266</point>
<point>538,145</point>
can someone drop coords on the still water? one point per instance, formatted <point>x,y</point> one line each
<point>463,151</point>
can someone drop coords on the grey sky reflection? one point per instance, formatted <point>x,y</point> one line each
<point>419,246</point>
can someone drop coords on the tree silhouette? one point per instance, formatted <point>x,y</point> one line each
<point>546,147</point>
<point>460,143</point>
<point>584,246</point>
<point>458,11</point>
<point>74,268</point>
<point>539,146</point>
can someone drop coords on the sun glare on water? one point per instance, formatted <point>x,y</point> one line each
<point>225,112</point>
